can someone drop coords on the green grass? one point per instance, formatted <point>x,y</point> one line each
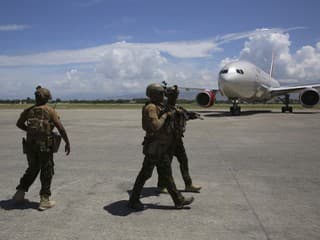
<point>76,106</point>
<point>139,106</point>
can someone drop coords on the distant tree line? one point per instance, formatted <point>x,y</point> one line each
<point>116,101</point>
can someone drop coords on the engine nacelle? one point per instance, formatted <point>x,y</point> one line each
<point>206,98</point>
<point>309,98</point>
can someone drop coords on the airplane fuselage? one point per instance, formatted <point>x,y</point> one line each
<point>245,81</point>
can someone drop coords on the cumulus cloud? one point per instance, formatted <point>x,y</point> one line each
<point>248,34</point>
<point>124,69</point>
<point>124,72</point>
<point>13,27</point>
<point>178,49</point>
<point>192,49</point>
<point>300,66</point>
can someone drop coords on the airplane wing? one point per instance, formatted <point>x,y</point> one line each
<point>285,90</point>
<point>198,89</point>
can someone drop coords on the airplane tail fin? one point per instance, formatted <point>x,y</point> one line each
<point>272,65</point>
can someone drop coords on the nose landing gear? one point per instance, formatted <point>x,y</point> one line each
<point>235,109</point>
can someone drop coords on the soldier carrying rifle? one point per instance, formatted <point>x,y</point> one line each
<point>178,124</point>
<point>157,149</point>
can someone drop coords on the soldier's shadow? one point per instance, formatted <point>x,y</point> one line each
<point>147,192</point>
<point>12,205</point>
<point>120,208</point>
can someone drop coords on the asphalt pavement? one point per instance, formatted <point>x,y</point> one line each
<point>259,172</point>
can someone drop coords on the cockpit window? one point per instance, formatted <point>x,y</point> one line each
<point>240,71</point>
<point>224,71</point>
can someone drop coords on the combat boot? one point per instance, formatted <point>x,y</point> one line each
<point>136,205</point>
<point>18,197</point>
<point>45,203</point>
<point>192,188</point>
<point>186,201</point>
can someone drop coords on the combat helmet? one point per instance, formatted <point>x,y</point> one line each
<point>43,93</point>
<point>172,91</point>
<point>154,89</point>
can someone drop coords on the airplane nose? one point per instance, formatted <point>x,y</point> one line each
<point>234,87</point>
<point>225,84</point>
<point>227,81</point>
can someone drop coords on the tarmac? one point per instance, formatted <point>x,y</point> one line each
<point>259,172</point>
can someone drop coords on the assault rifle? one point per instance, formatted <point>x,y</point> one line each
<point>190,115</point>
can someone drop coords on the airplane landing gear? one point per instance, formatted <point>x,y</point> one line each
<point>235,109</point>
<point>286,101</point>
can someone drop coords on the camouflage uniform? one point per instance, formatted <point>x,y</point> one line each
<point>156,148</point>
<point>178,126</point>
<point>38,149</point>
<point>38,121</point>
<point>178,147</point>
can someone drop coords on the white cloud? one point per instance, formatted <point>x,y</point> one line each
<point>122,69</point>
<point>227,60</point>
<point>130,69</point>
<point>21,83</point>
<point>127,71</point>
<point>14,27</point>
<point>122,72</point>
<point>248,34</point>
<point>179,49</point>
<point>176,49</point>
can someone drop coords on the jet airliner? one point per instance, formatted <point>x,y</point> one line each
<point>244,81</point>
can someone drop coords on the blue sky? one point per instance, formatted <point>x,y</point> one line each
<point>106,48</point>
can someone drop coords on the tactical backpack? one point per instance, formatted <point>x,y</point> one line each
<point>38,123</point>
<point>39,131</point>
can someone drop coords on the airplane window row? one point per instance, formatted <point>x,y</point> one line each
<point>224,71</point>
<point>240,71</point>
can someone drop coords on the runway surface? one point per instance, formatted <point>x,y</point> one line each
<point>259,172</point>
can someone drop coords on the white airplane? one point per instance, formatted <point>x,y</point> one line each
<point>242,80</point>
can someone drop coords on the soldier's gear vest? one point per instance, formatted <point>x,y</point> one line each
<point>39,130</point>
<point>177,122</point>
<point>180,119</point>
<point>146,124</point>
<point>155,141</point>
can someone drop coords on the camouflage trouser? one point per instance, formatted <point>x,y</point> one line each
<point>38,162</point>
<point>180,153</point>
<point>162,162</point>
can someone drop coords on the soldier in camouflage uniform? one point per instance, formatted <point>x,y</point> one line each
<point>181,115</point>
<point>156,148</point>
<point>38,121</point>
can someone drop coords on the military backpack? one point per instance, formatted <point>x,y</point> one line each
<point>39,131</point>
<point>38,123</point>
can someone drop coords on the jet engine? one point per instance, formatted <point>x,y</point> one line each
<point>206,98</point>
<point>309,97</point>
